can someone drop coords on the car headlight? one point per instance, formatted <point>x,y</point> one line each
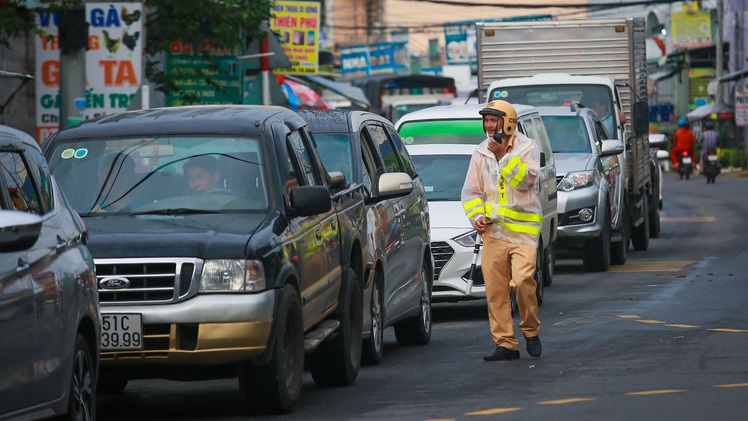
<point>226,275</point>
<point>467,239</point>
<point>577,180</point>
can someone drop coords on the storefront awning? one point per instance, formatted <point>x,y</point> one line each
<point>705,110</point>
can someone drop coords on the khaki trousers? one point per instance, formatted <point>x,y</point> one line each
<point>506,264</point>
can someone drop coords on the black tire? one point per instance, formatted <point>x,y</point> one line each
<point>275,387</point>
<point>337,361</point>
<point>640,234</point>
<point>548,263</point>
<point>619,250</point>
<point>654,215</point>
<point>110,385</point>
<point>82,399</point>
<point>596,254</point>
<point>417,330</point>
<point>373,346</point>
<point>539,279</point>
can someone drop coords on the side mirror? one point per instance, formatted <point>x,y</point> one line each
<point>18,230</point>
<point>310,200</point>
<point>611,147</point>
<point>641,118</point>
<point>394,184</point>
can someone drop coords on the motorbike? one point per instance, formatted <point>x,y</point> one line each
<point>685,164</point>
<point>711,166</point>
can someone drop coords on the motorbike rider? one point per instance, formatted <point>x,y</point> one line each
<point>684,139</point>
<point>709,142</point>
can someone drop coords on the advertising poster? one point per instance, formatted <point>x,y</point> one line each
<point>691,29</point>
<point>188,69</point>
<point>113,63</point>
<point>297,25</point>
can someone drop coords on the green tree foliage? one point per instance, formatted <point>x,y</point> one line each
<point>224,24</point>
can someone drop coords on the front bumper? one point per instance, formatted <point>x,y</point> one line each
<point>571,229</point>
<point>208,329</point>
<point>452,263</point>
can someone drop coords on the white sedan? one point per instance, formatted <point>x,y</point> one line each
<point>443,168</point>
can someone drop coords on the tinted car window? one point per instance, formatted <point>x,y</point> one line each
<point>568,134</point>
<point>38,166</point>
<point>305,159</point>
<point>380,138</point>
<point>20,186</point>
<point>335,152</point>
<point>404,156</point>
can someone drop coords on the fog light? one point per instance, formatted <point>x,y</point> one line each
<point>586,214</point>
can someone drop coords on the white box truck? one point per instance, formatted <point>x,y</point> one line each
<point>552,63</point>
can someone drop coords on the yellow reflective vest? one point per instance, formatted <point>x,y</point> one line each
<point>505,191</point>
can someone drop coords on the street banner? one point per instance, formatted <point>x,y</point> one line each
<point>297,25</point>
<point>113,63</point>
<point>373,59</point>
<point>354,61</point>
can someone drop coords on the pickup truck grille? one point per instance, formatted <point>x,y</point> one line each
<point>442,252</point>
<point>144,280</point>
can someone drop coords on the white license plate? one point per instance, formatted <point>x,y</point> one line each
<point>712,158</point>
<point>686,159</point>
<point>121,332</point>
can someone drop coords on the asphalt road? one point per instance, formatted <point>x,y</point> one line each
<point>663,337</point>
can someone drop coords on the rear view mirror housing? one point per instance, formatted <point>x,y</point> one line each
<point>641,118</point>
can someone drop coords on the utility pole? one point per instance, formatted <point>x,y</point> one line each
<point>73,33</point>
<point>718,63</point>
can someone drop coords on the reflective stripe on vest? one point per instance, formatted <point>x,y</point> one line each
<point>473,206</point>
<point>527,229</point>
<point>521,172</point>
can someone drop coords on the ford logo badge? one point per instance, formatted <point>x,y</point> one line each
<point>114,283</point>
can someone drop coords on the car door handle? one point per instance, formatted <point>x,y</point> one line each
<point>318,233</point>
<point>23,268</point>
<point>61,245</point>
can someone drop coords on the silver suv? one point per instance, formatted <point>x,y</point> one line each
<point>591,195</point>
<point>49,309</point>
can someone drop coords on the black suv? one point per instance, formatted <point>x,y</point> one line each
<point>219,249</point>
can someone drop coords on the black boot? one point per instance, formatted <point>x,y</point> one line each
<point>534,348</point>
<point>502,353</point>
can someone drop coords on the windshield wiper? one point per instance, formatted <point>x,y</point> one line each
<point>175,211</point>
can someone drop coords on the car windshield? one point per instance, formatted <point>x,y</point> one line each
<point>597,97</point>
<point>442,175</point>
<point>568,134</point>
<point>161,175</point>
<point>335,151</point>
<point>466,131</point>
